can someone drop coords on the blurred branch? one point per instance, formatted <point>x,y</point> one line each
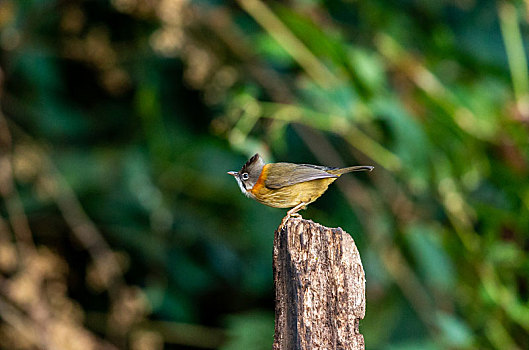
<point>86,232</point>
<point>516,54</point>
<point>21,323</point>
<point>433,87</point>
<point>338,125</point>
<point>82,227</point>
<point>221,22</point>
<point>14,206</point>
<point>295,47</point>
<point>498,335</point>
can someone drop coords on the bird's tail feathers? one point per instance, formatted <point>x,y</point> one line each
<point>350,169</point>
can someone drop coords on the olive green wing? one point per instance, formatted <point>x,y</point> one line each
<point>287,174</point>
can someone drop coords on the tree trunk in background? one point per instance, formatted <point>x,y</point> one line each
<point>320,288</point>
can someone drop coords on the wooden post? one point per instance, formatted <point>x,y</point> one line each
<point>320,288</point>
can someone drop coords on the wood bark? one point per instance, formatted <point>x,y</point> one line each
<point>319,286</point>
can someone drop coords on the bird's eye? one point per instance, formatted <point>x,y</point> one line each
<point>245,176</point>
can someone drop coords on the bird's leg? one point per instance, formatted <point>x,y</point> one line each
<point>292,212</point>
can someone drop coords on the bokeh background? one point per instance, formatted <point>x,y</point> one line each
<point>120,228</point>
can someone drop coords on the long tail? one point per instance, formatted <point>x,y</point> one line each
<point>350,169</point>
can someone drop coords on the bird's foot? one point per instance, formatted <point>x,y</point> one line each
<point>292,213</point>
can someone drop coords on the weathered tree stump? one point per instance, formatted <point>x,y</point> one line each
<point>320,288</point>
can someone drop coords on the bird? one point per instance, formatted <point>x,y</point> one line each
<point>287,185</point>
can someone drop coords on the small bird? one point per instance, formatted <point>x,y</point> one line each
<point>287,185</point>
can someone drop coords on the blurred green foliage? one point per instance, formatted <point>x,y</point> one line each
<point>142,106</point>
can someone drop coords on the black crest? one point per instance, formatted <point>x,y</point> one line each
<point>249,164</point>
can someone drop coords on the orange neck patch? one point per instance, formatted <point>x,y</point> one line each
<point>260,181</point>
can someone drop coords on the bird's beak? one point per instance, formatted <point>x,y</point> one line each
<point>232,173</point>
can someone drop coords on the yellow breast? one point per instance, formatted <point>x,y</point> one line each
<point>290,196</point>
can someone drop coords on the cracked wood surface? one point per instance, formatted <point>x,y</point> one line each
<point>320,288</point>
